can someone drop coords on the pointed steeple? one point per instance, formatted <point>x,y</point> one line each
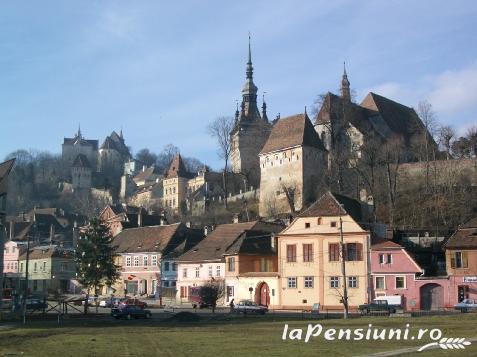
<point>237,113</point>
<point>79,132</point>
<point>121,133</point>
<point>345,85</point>
<point>264,108</point>
<point>249,91</point>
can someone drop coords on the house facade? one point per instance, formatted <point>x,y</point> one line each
<point>461,261</point>
<point>147,258</point>
<point>310,255</point>
<point>50,269</point>
<point>207,262</point>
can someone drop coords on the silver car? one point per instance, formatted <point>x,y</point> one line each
<point>249,307</point>
<point>466,305</point>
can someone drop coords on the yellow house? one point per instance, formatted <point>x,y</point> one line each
<point>310,257</point>
<point>175,185</point>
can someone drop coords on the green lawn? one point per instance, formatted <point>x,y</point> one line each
<point>237,336</point>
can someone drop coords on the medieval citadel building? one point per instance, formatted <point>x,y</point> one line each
<point>91,166</point>
<point>251,130</point>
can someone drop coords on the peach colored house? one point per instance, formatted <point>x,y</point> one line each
<point>12,252</point>
<point>461,262</point>
<point>310,256</point>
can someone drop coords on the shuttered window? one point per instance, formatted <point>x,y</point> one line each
<point>334,252</point>
<point>291,253</point>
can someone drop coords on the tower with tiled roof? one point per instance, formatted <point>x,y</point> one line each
<point>175,184</point>
<point>292,165</point>
<point>72,147</point>
<point>81,173</point>
<point>250,131</point>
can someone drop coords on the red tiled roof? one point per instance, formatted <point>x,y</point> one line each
<point>380,243</point>
<point>465,237</point>
<point>177,168</point>
<point>296,130</point>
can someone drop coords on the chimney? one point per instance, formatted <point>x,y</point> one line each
<point>139,219</point>
<point>52,233</point>
<point>206,231</point>
<point>273,241</point>
<point>12,230</point>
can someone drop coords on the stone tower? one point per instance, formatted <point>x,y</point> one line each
<point>251,130</point>
<point>81,173</point>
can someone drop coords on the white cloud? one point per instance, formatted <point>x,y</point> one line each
<point>455,90</point>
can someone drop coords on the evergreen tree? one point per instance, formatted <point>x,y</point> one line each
<point>95,258</point>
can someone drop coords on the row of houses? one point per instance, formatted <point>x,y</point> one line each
<point>282,266</point>
<point>294,266</point>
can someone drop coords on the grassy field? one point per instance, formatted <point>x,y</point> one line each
<point>221,336</point>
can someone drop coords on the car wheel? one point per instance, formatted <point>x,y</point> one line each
<point>148,315</point>
<point>128,317</point>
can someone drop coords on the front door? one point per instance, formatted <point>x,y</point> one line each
<point>264,295</point>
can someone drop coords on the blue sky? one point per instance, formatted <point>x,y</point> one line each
<point>162,70</point>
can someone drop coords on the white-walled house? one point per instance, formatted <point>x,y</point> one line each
<point>206,261</point>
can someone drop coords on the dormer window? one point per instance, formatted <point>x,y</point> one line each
<point>320,221</point>
<point>307,224</point>
<point>333,224</point>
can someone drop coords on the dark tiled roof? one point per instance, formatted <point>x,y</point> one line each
<point>81,141</point>
<point>402,120</point>
<point>330,205</point>
<point>296,130</point>
<point>163,239</point>
<point>252,242</point>
<point>465,237</point>
<point>81,161</point>
<point>215,245</point>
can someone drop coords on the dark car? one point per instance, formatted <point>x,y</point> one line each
<point>130,312</point>
<point>249,307</point>
<point>32,304</point>
<point>377,306</point>
<point>133,302</point>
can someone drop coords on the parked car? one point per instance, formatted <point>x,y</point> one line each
<point>249,307</point>
<point>377,306</point>
<point>133,302</point>
<point>130,312</point>
<point>111,302</point>
<point>466,305</point>
<point>92,301</point>
<point>196,299</point>
<point>32,303</point>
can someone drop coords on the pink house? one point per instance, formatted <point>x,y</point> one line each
<point>394,272</point>
<point>11,254</point>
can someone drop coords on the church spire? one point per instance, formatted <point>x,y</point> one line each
<point>345,85</point>
<point>249,90</point>
<point>79,131</point>
<point>264,108</point>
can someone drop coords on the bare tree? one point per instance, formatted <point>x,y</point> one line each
<point>446,134</point>
<point>428,117</point>
<point>220,130</point>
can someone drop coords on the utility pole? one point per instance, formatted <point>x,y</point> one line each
<point>343,269</point>
<point>25,291</point>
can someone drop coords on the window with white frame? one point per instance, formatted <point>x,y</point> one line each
<point>210,271</point>
<point>334,281</point>
<point>308,281</point>
<point>128,261</point>
<point>166,266</point>
<point>381,258</point>
<point>197,272</point>
<point>217,270</point>
<point>292,282</point>
<point>379,282</point>
<point>352,281</point>
<point>389,259</point>
<point>136,261</point>
<point>174,266</point>
<point>144,260</point>
<point>184,273</point>
<point>154,260</point>
<point>400,282</point>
